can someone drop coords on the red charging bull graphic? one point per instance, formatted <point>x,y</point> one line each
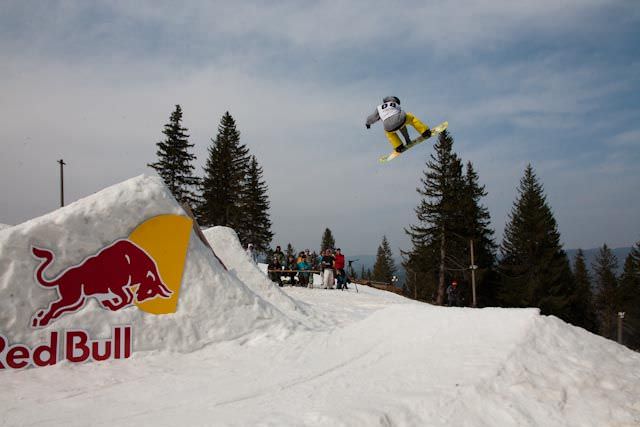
<point>116,276</point>
<point>145,269</point>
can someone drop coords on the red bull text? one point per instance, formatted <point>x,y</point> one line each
<point>75,346</point>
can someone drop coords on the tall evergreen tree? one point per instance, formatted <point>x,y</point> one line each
<point>328,242</point>
<point>630,297</point>
<point>476,227</point>
<point>174,163</point>
<point>584,304</point>
<point>255,203</point>
<point>224,182</point>
<point>441,237</point>
<point>384,268</point>
<point>535,270</point>
<point>608,302</point>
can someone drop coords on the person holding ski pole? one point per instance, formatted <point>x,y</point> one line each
<point>395,119</point>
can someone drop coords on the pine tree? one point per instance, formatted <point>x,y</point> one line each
<point>255,204</point>
<point>630,297</point>
<point>583,301</point>
<point>384,268</point>
<point>607,293</point>
<point>535,270</point>
<point>328,242</point>
<point>439,245</point>
<point>224,183</point>
<point>476,227</point>
<point>174,163</point>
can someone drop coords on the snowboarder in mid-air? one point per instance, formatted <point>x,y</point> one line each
<point>395,119</point>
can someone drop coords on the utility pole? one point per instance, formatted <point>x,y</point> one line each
<point>473,268</point>
<point>62,163</point>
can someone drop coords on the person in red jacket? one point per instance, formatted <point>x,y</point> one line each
<point>339,266</point>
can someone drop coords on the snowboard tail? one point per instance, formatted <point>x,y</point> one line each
<point>434,131</point>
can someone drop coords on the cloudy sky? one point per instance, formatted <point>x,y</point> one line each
<point>554,83</point>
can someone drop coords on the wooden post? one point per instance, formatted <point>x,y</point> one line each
<point>473,274</point>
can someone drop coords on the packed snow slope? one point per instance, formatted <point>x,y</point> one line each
<point>241,351</point>
<point>225,243</point>
<point>214,305</point>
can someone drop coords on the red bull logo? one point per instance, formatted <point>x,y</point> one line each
<point>144,269</point>
<point>116,276</point>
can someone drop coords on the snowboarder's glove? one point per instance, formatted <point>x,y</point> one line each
<point>368,126</point>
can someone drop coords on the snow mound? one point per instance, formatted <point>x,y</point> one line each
<point>227,246</point>
<point>213,305</point>
<point>3,226</point>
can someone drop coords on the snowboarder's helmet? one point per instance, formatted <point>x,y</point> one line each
<point>391,99</point>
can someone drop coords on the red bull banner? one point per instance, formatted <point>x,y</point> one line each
<point>142,270</point>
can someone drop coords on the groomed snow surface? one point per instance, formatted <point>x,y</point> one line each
<point>242,351</point>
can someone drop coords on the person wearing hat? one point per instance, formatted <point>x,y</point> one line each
<point>303,266</point>
<point>395,119</point>
<point>452,294</point>
<point>328,272</point>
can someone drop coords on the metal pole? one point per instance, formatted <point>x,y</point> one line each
<point>62,163</point>
<point>620,317</point>
<point>473,274</point>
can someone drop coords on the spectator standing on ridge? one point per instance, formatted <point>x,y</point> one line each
<point>312,259</point>
<point>303,265</point>
<point>252,253</point>
<point>339,266</point>
<point>278,252</point>
<point>275,265</point>
<point>327,263</point>
<point>452,294</point>
<point>291,265</point>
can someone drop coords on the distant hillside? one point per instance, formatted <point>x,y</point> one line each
<point>591,254</point>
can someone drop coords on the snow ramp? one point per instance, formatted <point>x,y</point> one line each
<point>213,304</point>
<point>227,246</point>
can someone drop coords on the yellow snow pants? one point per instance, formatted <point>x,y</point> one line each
<point>412,120</point>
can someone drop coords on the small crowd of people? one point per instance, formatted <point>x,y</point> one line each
<point>296,271</point>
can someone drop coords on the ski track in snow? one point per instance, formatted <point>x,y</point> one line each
<point>364,369</point>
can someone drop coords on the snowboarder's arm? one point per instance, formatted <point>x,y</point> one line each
<point>372,119</point>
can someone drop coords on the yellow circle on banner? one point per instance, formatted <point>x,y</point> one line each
<point>165,238</point>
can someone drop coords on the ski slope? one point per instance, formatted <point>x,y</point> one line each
<point>242,351</point>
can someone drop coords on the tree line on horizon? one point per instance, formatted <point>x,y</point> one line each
<point>232,191</point>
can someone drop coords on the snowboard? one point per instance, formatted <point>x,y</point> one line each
<point>435,131</point>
